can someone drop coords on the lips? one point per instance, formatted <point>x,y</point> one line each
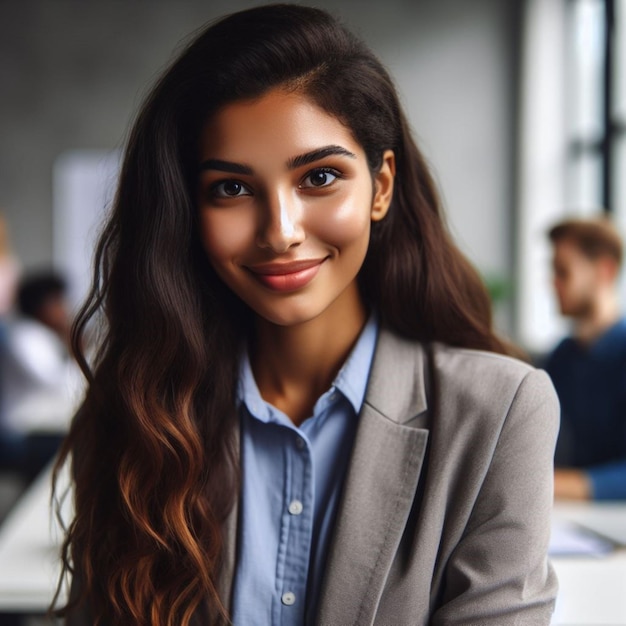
<point>285,277</point>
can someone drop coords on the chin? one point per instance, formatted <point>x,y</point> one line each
<point>286,316</point>
<point>575,312</point>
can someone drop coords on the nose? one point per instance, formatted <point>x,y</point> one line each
<point>281,224</point>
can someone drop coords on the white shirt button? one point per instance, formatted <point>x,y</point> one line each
<point>300,443</point>
<point>288,598</point>
<point>295,507</point>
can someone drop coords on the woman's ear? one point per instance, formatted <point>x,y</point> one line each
<point>383,186</point>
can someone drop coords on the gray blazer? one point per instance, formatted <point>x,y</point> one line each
<point>445,515</point>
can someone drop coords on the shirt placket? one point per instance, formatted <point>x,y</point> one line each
<point>296,533</point>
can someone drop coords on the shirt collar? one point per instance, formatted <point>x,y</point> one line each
<point>351,381</point>
<point>610,337</point>
<point>352,378</point>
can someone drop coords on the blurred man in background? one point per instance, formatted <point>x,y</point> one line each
<point>589,367</point>
<point>40,381</point>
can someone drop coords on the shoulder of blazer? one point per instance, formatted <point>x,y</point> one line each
<point>488,376</point>
<point>477,393</point>
<point>395,352</point>
<point>407,374</point>
<point>474,367</point>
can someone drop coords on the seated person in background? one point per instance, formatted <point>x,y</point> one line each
<point>40,382</point>
<point>589,368</point>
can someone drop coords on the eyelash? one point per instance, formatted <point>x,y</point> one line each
<point>215,187</point>
<point>321,170</point>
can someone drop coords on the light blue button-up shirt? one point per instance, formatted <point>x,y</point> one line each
<point>292,480</point>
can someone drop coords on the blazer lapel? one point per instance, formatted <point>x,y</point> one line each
<point>380,486</point>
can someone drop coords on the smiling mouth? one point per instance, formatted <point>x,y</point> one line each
<point>285,277</point>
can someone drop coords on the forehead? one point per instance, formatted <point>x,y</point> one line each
<point>567,252</point>
<point>278,123</point>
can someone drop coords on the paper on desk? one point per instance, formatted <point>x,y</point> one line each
<point>568,538</point>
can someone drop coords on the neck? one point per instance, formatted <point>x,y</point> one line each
<point>294,365</point>
<point>604,314</point>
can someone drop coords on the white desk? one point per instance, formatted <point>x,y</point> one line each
<point>29,549</point>
<point>592,589</point>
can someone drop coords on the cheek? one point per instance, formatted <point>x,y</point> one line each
<point>225,234</point>
<point>580,280</point>
<point>347,224</point>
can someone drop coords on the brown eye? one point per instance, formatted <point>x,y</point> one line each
<point>232,188</point>
<point>229,189</point>
<point>321,177</point>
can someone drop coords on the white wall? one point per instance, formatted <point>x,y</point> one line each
<point>541,170</point>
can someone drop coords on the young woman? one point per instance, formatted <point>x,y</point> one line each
<point>298,414</point>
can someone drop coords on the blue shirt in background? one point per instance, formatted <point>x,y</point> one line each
<point>292,481</point>
<point>590,381</point>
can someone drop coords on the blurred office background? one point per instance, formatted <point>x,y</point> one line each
<point>520,106</point>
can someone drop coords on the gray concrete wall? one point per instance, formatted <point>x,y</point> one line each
<point>72,73</point>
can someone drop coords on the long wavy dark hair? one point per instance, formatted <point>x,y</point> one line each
<point>152,448</point>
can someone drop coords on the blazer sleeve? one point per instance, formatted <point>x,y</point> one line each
<point>499,573</point>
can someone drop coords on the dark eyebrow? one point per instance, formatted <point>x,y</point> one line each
<point>295,162</point>
<point>226,166</point>
<point>316,155</point>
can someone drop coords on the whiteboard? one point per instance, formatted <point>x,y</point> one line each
<point>84,183</point>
